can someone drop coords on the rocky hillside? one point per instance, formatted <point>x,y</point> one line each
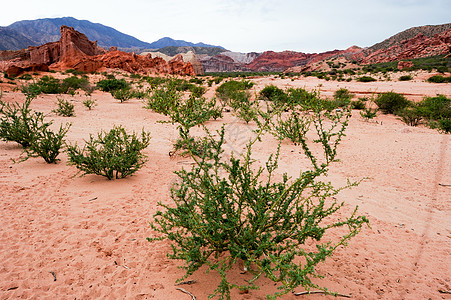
<point>421,45</point>
<point>427,31</point>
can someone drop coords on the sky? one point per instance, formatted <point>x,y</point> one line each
<point>246,25</point>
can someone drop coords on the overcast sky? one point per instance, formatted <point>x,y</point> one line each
<point>246,25</point>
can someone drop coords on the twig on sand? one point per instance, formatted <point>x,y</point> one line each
<point>186,292</point>
<point>186,282</point>
<point>444,292</point>
<point>54,275</point>
<point>441,184</point>
<point>95,198</point>
<point>320,292</point>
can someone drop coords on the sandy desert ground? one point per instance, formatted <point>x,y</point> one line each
<point>66,237</point>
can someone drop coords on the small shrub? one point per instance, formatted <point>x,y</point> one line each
<point>391,102</point>
<point>192,146</point>
<point>368,113</point>
<point>405,78</point>
<point>358,104</point>
<point>26,77</point>
<point>164,98</point>
<point>65,108</point>
<point>294,128</point>
<point>113,154</point>
<point>410,115</point>
<point>122,95</point>
<point>31,91</point>
<point>227,90</point>
<point>47,144</point>
<point>89,103</point>
<point>366,79</point>
<point>194,111</point>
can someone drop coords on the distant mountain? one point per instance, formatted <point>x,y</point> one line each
<point>26,33</point>
<point>42,31</point>
<point>174,50</point>
<point>168,42</point>
<point>10,39</point>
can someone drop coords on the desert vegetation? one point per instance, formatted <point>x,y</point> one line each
<point>229,211</point>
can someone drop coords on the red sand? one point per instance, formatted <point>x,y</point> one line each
<point>66,237</point>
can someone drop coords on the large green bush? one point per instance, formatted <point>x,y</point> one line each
<point>439,79</point>
<point>391,102</point>
<point>229,89</point>
<point>113,154</point>
<point>29,129</point>
<point>434,108</point>
<point>273,93</point>
<point>17,120</point>
<point>110,85</point>
<point>229,210</point>
<point>366,79</point>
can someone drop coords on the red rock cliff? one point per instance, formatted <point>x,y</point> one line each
<point>75,51</point>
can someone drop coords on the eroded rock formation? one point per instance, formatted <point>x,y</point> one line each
<point>75,51</point>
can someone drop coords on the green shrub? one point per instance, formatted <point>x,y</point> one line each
<point>303,98</point>
<point>294,127</point>
<point>122,95</point>
<point>16,123</point>
<point>410,115</point>
<point>243,107</point>
<point>113,154</point>
<point>273,93</point>
<point>358,104</point>
<point>196,80</point>
<point>444,125</point>
<point>439,79</point>
<point>228,89</point>
<point>391,102</point>
<point>343,94</point>
<point>89,103</point>
<point>192,146</point>
<point>368,113</point>
<point>65,108</point>
<point>434,108</point>
<point>26,77</point>
<point>194,111</point>
<point>31,91</point>
<point>109,85</point>
<point>74,83</point>
<point>366,79</point>
<point>50,85</point>
<point>405,78</point>
<point>228,210</point>
<point>47,144</point>
<point>164,98</point>
<point>29,129</point>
